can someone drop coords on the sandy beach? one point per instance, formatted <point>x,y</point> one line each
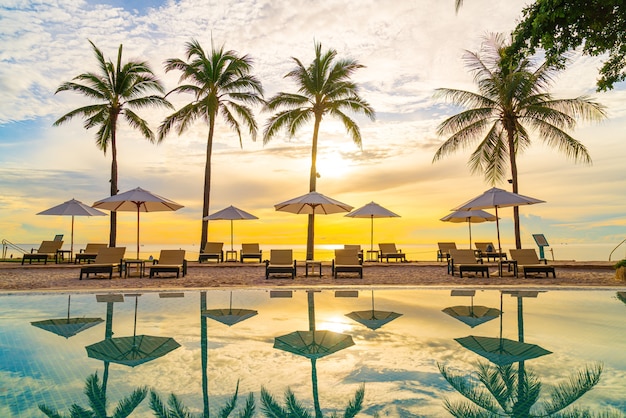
<point>65,277</point>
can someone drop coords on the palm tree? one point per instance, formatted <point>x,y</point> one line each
<point>117,90</point>
<point>176,409</point>
<point>221,83</point>
<point>294,408</point>
<point>504,391</point>
<point>512,101</point>
<point>96,393</point>
<point>324,88</point>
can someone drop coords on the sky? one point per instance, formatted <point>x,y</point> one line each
<point>408,48</point>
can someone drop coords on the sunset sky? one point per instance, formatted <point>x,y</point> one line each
<point>409,48</point>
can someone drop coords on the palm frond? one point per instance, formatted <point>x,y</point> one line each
<point>138,123</point>
<point>270,406</point>
<point>96,396</point>
<point>564,394</point>
<point>356,404</point>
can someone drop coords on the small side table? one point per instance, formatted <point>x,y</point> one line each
<point>60,256</point>
<point>508,264</point>
<point>140,265</point>
<point>231,255</point>
<point>372,255</point>
<point>310,266</point>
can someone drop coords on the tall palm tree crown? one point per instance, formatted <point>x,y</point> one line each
<point>324,88</point>
<point>513,101</point>
<point>221,84</point>
<point>117,90</point>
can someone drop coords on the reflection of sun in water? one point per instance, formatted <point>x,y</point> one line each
<point>334,323</point>
<point>332,165</point>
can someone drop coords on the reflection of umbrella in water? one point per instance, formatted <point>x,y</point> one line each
<point>231,214</point>
<point>311,204</point>
<point>469,216</point>
<point>132,351</point>
<point>229,316</point>
<point>138,200</point>
<point>372,210</point>
<point>372,318</point>
<point>67,327</point>
<point>471,315</point>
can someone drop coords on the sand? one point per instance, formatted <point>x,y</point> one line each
<point>64,277</point>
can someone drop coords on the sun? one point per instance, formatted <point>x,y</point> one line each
<point>332,165</point>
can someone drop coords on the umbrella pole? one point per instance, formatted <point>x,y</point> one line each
<point>372,234</point>
<point>231,235</point>
<point>72,240</point>
<point>498,229</point>
<point>469,224</point>
<point>137,231</point>
<point>68,307</point>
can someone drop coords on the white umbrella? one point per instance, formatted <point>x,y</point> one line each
<point>372,210</point>
<point>72,208</point>
<point>139,200</point>
<point>497,198</point>
<point>312,203</point>
<point>230,213</point>
<point>469,216</point>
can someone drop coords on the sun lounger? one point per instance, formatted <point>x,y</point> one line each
<point>212,251</point>
<point>47,249</point>
<point>355,247</point>
<point>347,261</point>
<point>466,261</point>
<point>281,262</point>
<point>489,251</point>
<point>443,253</point>
<point>169,261</point>
<point>388,250</point>
<point>89,253</point>
<point>250,251</point>
<point>107,260</point>
<point>528,262</point>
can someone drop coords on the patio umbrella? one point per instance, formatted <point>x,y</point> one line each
<point>372,210</point>
<point>497,198</point>
<point>138,200</point>
<point>469,216</point>
<point>312,203</point>
<point>230,213</point>
<point>72,208</point>
<point>471,315</point>
<point>229,316</point>
<point>372,318</point>
<point>502,351</point>
<point>67,327</point>
<point>132,351</point>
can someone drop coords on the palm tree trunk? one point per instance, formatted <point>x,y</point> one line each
<point>204,354</point>
<point>207,183</point>
<point>310,240</point>
<point>113,227</point>
<point>513,162</point>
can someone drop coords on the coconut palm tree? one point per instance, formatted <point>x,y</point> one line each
<point>294,408</point>
<point>118,90</point>
<point>324,88</point>
<point>504,391</point>
<point>512,102</point>
<point>221,84</point>
<point>96,393</point>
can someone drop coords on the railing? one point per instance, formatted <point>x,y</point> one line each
<point>6,244</point>
<point>623,241</point>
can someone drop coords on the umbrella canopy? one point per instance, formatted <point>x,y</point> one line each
<point>469,216</point>
<point>230,213</point>
<point>502,351</point>
<point>138,200</point>
<point>131,351</point>
<point>372,210</point>
<point>472,315</point>
<point>497,198</point>
<point>373,318</point>
<point>72,208</point>
<point>312,203</point>
<point>313,344</point>
<point>67,327</point>
<point>229,316</point>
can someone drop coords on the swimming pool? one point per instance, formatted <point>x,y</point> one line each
<point>249,338</point>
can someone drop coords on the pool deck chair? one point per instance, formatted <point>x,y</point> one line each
<point>528,262</point>
<point>212,251</point>
<point>47,249</point>
<point>489,251</point>
<point>89,253</point>
<point>250,251</point>
<point>465,261</point>
<point>107,260</point>
<point>281,262</point>
<point>347,261</point>
<point>356,247</point>
<point>169,261</point>
<point>388,250</point>
<point>443,253</point>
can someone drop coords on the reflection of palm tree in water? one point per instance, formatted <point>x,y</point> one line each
<point>514,391</point>
<point>313,344</point>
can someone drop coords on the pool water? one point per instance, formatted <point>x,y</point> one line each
<point>249,339</point>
